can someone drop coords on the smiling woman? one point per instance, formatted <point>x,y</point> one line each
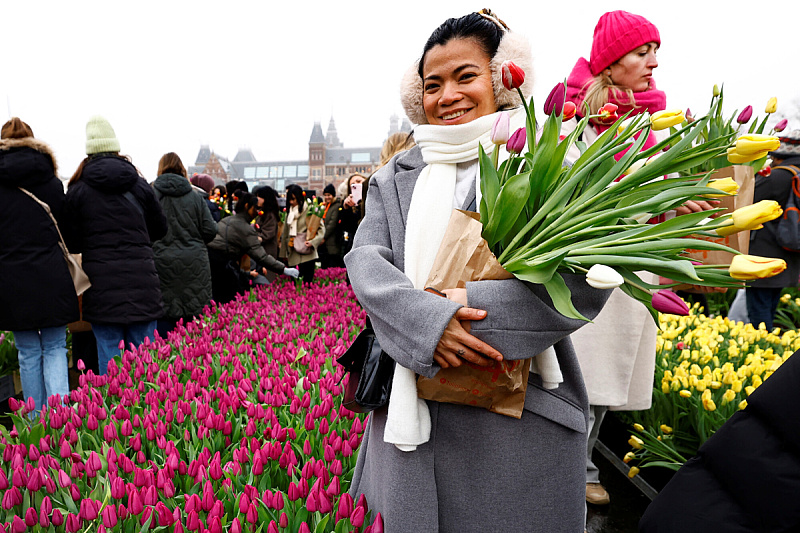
<point>434,466</point>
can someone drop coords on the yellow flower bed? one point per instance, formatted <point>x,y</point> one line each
<point>705,370</point>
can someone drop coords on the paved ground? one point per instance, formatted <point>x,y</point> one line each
<point>627,502</point>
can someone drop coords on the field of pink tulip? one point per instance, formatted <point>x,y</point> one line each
<point>233,423</point>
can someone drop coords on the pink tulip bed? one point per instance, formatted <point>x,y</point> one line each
<point>233,423</point>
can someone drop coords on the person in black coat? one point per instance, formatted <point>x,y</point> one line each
<point>113,217</point>
<point>762,295</point>
<point>38,298</point>
<point>745,478</point>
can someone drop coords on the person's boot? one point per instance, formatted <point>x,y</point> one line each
<point>596,494</point>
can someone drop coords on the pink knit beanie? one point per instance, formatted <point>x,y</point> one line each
<point>616,34</point>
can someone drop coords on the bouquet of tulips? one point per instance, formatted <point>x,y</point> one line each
<point>754,145</point>
<point>233,423</point>
<point>315,210</point>
<point>542,216</point>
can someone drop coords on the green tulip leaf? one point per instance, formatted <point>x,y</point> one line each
<point>509,205</point>
<point>562,298</point>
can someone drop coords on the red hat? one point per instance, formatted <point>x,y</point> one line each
<point>616,34</point>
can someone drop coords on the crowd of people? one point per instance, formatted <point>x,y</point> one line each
<point>155,254</point>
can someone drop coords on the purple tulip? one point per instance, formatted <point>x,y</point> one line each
<point>514,145</point>
<point>781,125</point>
<point>745,116</point>
<point>666,301</point>
<point>555,100</point>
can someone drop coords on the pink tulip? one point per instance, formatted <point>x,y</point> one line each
<point>745,115</point>
<point>18,525</point>
<point>357,517</point>
<point>555,100</point>
<point>781,125</point>
<point>666,301</point>
<point>109,516</point>
<point>501,128</point>
<point>31,518</point>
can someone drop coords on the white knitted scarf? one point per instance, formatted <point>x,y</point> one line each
<point>408,423</point>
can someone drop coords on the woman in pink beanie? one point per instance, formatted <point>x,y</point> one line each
<point>617,351</point>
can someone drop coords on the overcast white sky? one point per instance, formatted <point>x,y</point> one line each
<point>171,76</point>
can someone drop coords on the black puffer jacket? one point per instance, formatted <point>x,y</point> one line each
<point>114,232</point>
<point>777,186</point>
<point>746,477</point>
<point>181,256</point>
<point>36,288</point>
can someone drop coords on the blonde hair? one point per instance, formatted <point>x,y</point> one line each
<point>396,143</point>
<point>598,90</point>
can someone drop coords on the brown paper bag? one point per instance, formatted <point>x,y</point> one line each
<point>465,256</point>
<point>745,178</point>
<point>312,225</point>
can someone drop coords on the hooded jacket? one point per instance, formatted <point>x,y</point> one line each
<point>113,217</point>
<point>37,290</point>
<point>181,257</point>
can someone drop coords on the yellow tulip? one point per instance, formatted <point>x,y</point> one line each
<point>666,429</point>
<point>754,143</point>
<point>662,120</point>
<point>742,404</point>
<point>772,105</point>
<point>728,397</point>
<point>685,393</point>
<point>735,158</point>
<point>751,217</point>
<point>633,471</point>
<point>749,267</point>
<point>716,91</point>
<point>638,427</point>
<point>726,185</point>
<point>709,405</point>
<point>630,456</point>
<point>635,442</point>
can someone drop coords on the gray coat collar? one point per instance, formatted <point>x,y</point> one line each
<point>409,166</point>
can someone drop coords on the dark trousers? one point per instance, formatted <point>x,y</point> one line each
<point>307,270</point>
<point>761,304</point>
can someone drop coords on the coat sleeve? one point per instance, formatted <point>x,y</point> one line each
<point>269,229</point>
<point>317,240</point>
<point>254,249</point>
<point>153,214</point>
<point>208,228</point>
<point>71,224</point>
<point>332,222</point>
<point>409,322</point>
<point>520,318</point>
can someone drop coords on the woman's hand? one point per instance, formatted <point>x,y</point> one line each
<point>457,346</point>
<point>696,206</point>
<point>348,202</point>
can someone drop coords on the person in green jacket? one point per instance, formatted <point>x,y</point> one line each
<point>181,258</point>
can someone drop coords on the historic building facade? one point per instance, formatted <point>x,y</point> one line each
<point>328,162</point>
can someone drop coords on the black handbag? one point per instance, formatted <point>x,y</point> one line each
<point>371,371</point>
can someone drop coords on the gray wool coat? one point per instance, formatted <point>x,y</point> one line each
<point>480,471</point>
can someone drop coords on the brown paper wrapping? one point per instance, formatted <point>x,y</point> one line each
<point>465,256</point>
<point>312,225</point>
<point>745,178</point>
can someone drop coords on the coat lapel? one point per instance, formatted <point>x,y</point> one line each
<point>410,166</point>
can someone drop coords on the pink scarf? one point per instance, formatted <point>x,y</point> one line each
<point>651,100</point>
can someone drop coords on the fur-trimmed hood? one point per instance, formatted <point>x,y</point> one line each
<point>514,47</point>
<point>27,160</point>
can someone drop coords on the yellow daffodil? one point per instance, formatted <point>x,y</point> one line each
<point>749,267</point>
<point>727,185</point>
<point>751,217</point>
<point>772,105</point>
<point>662,120</point>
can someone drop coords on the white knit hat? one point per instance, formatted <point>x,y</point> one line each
<point>100,136</point>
